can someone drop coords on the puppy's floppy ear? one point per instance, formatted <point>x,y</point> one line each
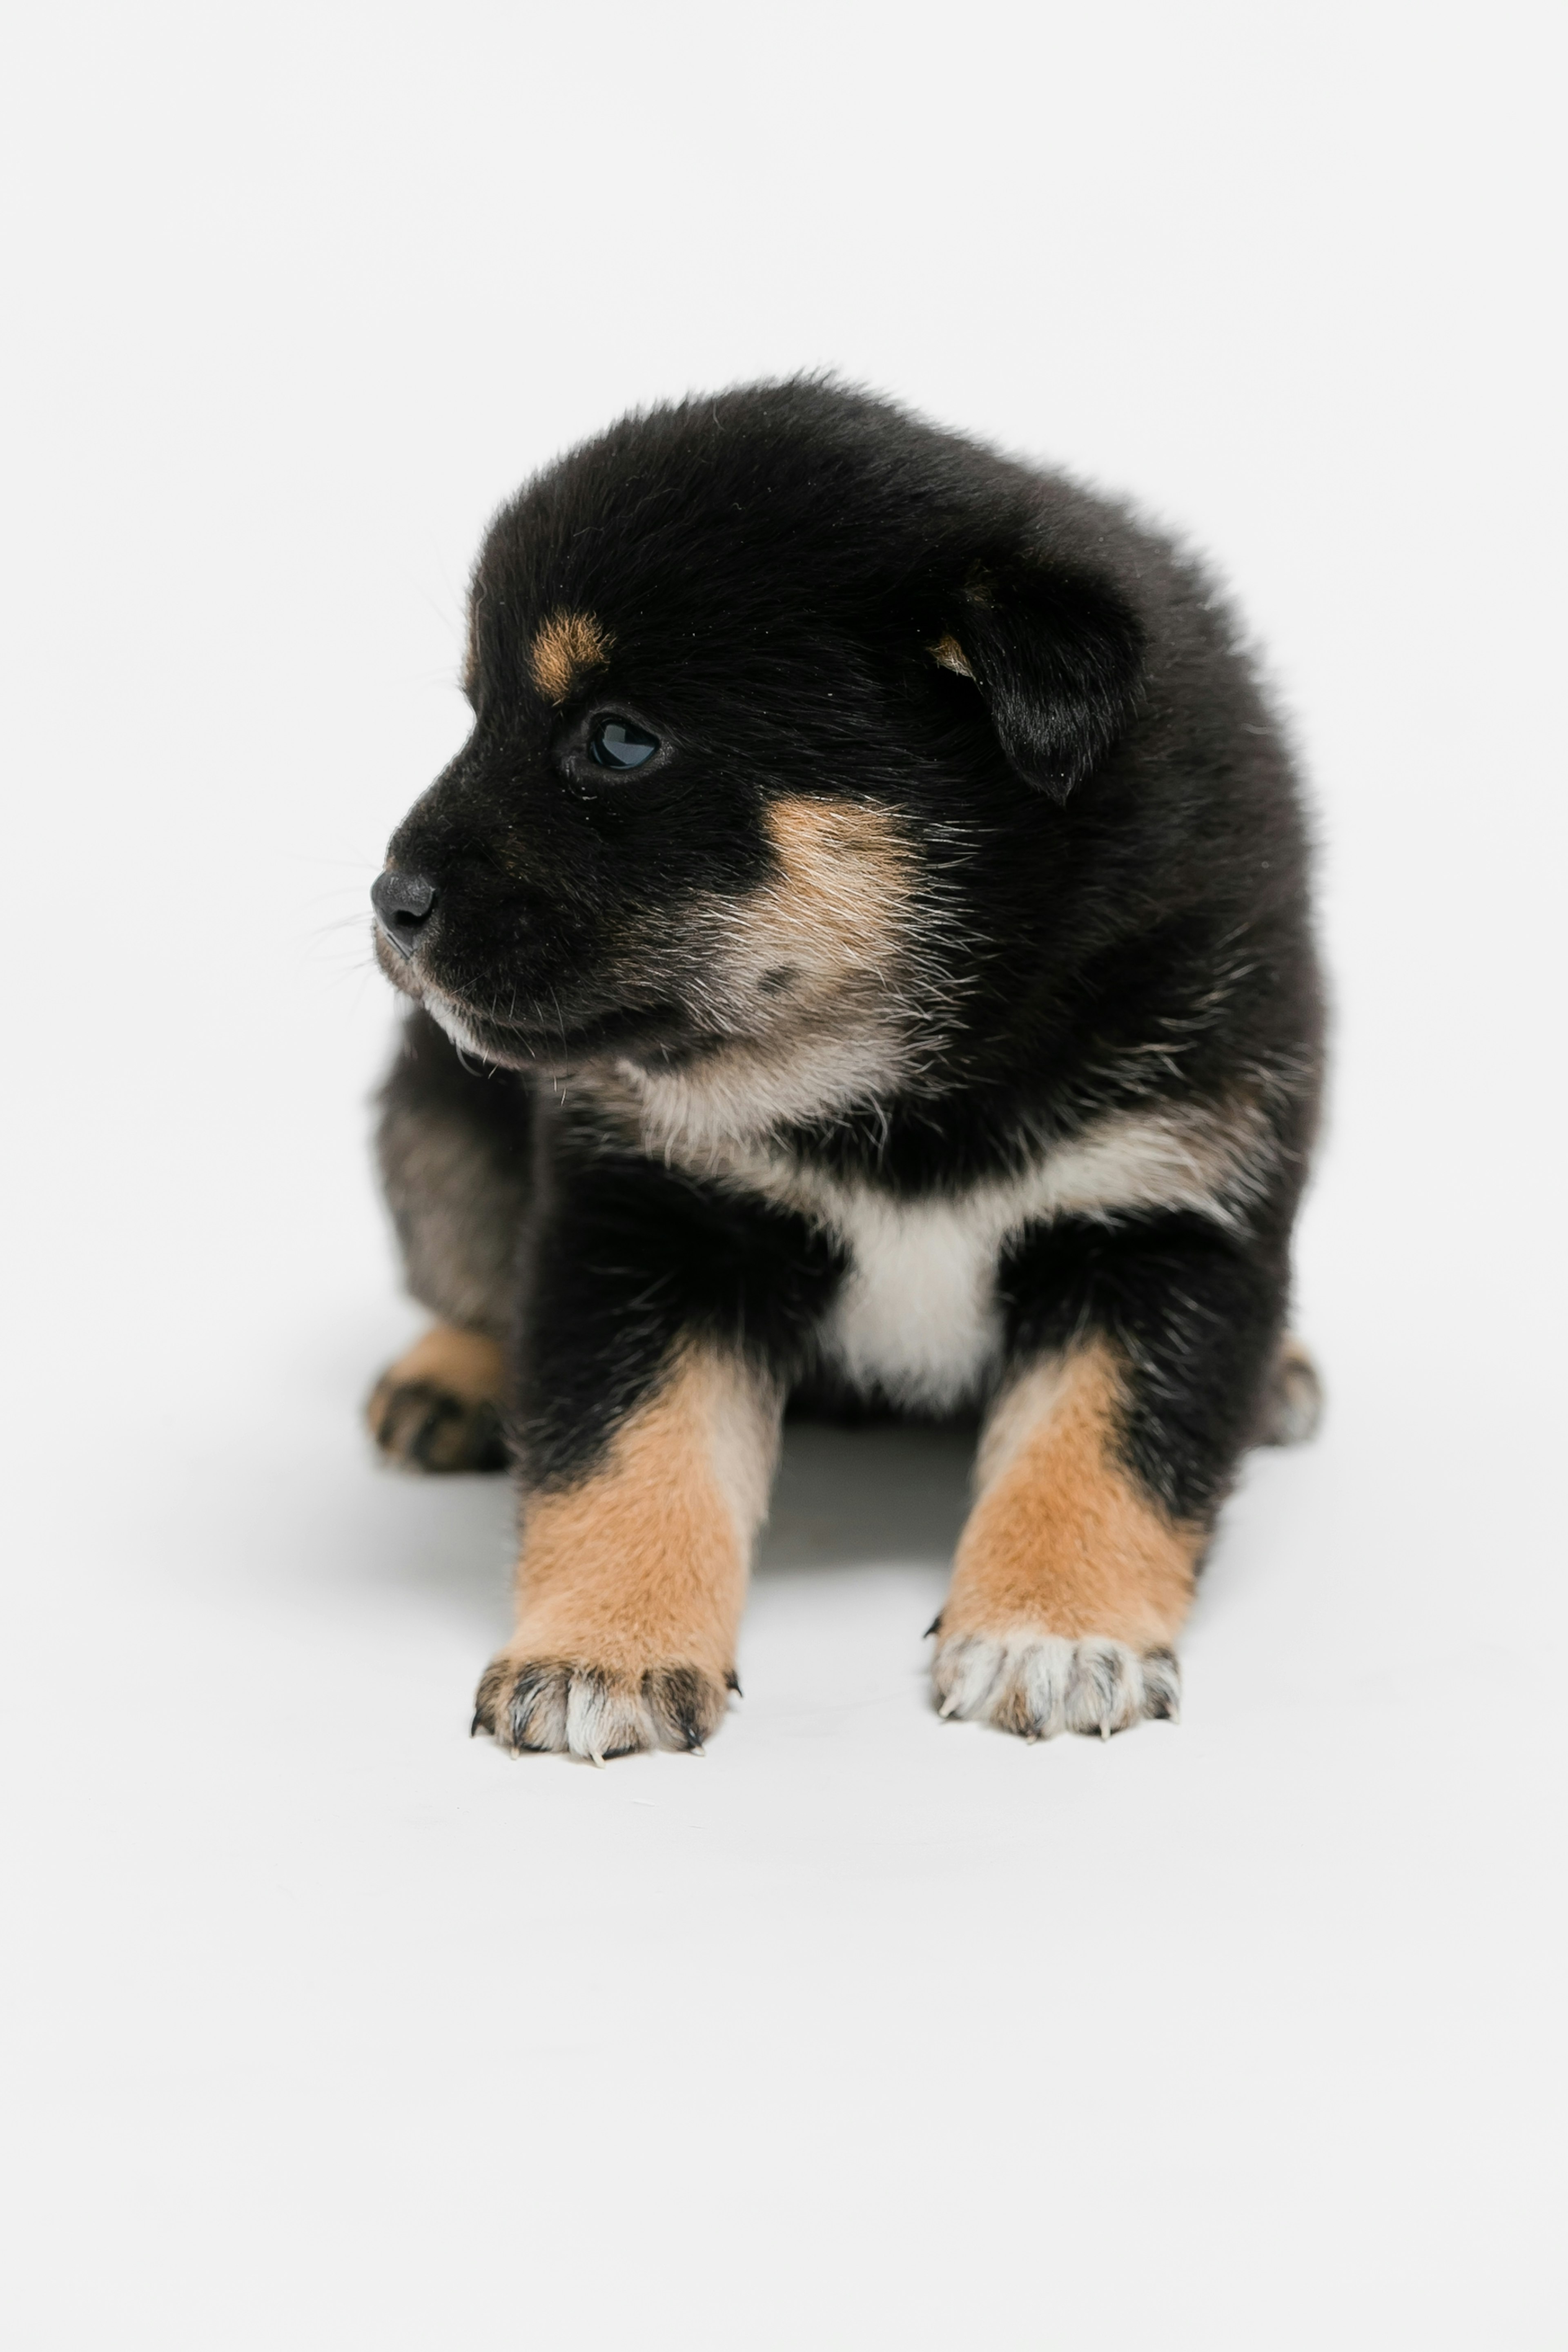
<point>1058,657</point>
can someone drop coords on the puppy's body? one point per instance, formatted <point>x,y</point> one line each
<point>929,1019</point>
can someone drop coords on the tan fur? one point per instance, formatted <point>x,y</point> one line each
<point>952,656</point>
<point>646,1561</point>
<point>564,650</point>
<point>1060,1541</point>
<point>814,981</point>
<point>844,881</point>
<point>461,1363</point>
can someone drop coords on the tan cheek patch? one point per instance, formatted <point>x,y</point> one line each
<point>647,1557</point>
<point>1060,1540</point>
<point>566,648</point>
<point>952,656</point>
<point>836,906</point>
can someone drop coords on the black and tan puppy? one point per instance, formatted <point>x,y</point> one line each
<point>862,951</point>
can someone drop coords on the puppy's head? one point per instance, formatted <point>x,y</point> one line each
<point>747,675</point>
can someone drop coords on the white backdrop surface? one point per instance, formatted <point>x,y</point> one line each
<point>327,2028</point>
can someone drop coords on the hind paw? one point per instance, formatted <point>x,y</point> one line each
<point>438,1407</point>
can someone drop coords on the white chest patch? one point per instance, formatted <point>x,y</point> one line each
<point>917,1316</point>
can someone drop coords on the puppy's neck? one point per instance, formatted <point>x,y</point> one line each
<point>742,1094</point>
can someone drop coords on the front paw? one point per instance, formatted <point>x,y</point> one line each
<point>1036,1683</point>
<point>570,1708</point>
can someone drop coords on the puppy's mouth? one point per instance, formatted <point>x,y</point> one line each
<point>546,1036</point>
<point>663,1039</point>
<point>659,1034</point>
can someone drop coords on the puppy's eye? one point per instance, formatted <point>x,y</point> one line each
<point>616,743</point>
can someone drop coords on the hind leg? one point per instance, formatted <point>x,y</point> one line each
<point>454,1148</point>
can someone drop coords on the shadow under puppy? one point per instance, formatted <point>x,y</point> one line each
<point>862,951</point>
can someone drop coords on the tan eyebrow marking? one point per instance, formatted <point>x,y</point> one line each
<point>951,654</point>
<point>564,647</point>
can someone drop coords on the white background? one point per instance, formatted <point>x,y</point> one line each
<point>329,2029</point>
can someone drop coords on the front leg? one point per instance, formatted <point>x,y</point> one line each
<point>660,1327</point>
<point>1140,1365</point>
<point>633,1575</point>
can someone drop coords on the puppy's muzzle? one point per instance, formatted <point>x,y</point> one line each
<point>403,904</point>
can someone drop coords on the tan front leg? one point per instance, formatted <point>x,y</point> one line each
<point>631,1582</point>
<point>1071,1582</point>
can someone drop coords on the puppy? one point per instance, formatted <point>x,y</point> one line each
<point>861,954</point>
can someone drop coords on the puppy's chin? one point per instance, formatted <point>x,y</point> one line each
<point>693,1085</point>
<point>460,1028</point>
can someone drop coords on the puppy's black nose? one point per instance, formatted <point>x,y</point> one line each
<point>404,904</point>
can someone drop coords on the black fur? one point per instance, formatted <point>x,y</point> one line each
<point>1195,1313</point>
<point>640,1256</point>
<point>1105,874</point>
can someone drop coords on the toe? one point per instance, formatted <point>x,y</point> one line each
<point>1162,1686</point>
<point>1102,1692</point>
<point>687,1706</point>
<point>966,1670</point>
